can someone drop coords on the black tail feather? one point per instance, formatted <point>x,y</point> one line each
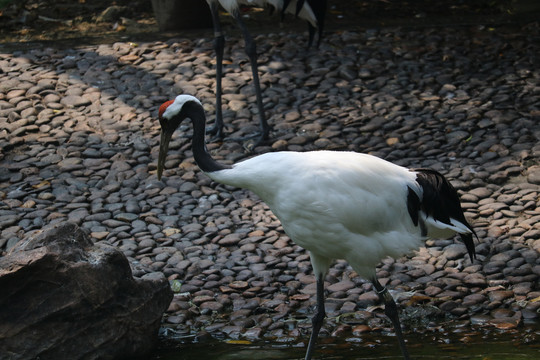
<point>469,244</point>
<point>440,201</point>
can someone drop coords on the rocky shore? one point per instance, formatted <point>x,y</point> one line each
<point>78,143</point>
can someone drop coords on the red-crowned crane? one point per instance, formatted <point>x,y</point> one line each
<point>311,10</point>
<point>337,205</point>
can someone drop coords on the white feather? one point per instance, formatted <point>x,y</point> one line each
<point>177,105</point>
<point>337,205</point>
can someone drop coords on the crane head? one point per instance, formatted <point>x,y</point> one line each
<point>170,115</point>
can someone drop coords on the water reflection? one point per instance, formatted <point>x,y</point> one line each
<point>490,344</point>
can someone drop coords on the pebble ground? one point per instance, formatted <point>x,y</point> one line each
<point>79,142</point>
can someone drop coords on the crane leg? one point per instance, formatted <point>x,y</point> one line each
<point>251,51</point>
<point>391,311</point>
<point>219,45</point>
<point>318,318</point>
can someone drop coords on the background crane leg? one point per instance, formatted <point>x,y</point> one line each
<point>251,51</point>
<point>219,46</point>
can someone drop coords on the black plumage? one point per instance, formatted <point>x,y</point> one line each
<point>440,201</point>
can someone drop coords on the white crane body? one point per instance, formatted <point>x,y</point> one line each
<point>337,205</point>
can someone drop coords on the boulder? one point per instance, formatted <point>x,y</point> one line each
<point>64,297</point>
<point>174,15</point>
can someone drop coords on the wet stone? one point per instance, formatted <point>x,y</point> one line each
<point>455,251</point>
<point>127,217</point>
<point>500,295</point>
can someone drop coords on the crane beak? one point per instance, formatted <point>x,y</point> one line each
<point>163,148</point>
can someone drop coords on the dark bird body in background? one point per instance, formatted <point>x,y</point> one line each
<point>313,11</point>
<point>336,205</point>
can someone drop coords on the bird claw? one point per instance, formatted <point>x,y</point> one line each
<point>218,136</point>
<point>216,131</point>
<point>252,141</point>
<point>250,145</point>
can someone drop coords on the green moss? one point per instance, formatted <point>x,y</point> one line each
<point>4,3</point>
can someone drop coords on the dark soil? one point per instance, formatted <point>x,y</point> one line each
<point>55,21</point>
<point>35,20</point>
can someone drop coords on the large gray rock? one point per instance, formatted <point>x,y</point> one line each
<point>63,297</point>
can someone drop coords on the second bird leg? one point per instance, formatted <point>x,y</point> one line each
<point>318,318</point>
<point>251,51</point>
<point>390,309</point>
<point>219,46</point>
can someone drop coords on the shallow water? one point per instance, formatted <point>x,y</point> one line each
<point>490,344</point>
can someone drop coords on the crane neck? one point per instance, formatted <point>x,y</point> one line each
<point>202,157</point>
